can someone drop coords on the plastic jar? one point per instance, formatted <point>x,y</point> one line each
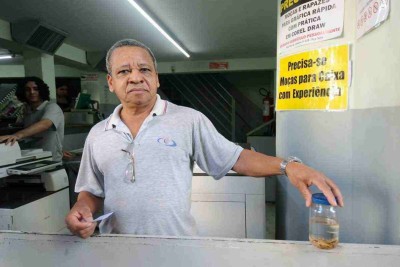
<point>323,224</point>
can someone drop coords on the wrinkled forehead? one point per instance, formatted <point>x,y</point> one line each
<point>127,54</point>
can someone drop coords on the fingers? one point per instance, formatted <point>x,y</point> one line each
<point>303,177</point>
<point>80,223</point>
<point>85,215</point>
<point>9,139</point>
<point>13,140</point>
<point>67,155</point>
<point>336,191</point>
<point>306,193</point>
<point>87,232</point>
<point>4,139</point>
<point>81,229</point>
<point>320,182</point>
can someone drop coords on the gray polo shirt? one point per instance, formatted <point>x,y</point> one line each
<point>164,150</point>
<point>52,139</point>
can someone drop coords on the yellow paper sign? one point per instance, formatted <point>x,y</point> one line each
<point>314,80</point>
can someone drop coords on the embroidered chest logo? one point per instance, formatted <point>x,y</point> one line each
<point>166,141</point>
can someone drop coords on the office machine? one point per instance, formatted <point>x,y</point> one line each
<point>34,192</point>
<point>85,111</point>
<point>83,101</point>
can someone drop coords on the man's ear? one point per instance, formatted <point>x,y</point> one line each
<point>158,82</point>
<point>110,83</point>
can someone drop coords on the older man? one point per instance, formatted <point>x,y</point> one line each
<point>138,162</point>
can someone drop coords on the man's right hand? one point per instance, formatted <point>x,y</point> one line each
<point>79,221</point>
<point>9,139</point>
<point>67,155</point>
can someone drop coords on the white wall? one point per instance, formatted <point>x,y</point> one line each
<point>12,71</point>
<point>65,71</point>
<point>357,147</point>
<point>5,32</point>
<point>238,64</point>
<point>72,53</point>
<point>377,65</point>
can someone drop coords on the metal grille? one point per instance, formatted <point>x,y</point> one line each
<point>46,39</point>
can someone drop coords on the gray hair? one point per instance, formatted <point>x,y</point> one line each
<point>127,42</point>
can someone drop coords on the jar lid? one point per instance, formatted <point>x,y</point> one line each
<point>320,198</point>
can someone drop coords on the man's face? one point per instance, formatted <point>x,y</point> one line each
<point>133,78</point>
<point>32,93</point>
<point>62,91</point>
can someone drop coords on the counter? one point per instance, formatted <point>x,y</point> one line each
<point>24,249</point>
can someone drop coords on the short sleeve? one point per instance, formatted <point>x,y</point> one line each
<point>89,178</point>
<point>54,113</point>
<point>214,154</point>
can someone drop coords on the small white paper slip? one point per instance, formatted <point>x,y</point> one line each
<point>102,217</point>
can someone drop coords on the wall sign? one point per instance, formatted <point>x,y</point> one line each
<point>308,21</point>
<point>314,80</point>
<point>89,77</point>
<point>218,65</point>
<point>370,15</point>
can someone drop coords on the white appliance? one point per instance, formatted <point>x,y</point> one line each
<point>233,206</point>
<point>34,193</point>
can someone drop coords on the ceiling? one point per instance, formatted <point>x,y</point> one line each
<point>207,29</point>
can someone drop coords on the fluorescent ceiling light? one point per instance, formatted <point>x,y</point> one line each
<point>5,56</point>
<point>135,5</point>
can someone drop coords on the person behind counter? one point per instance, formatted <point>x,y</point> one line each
<point>64,99</point>
<point>138,162</point>
<point>43,120</point>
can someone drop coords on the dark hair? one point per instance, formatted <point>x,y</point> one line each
<point>43,89</point>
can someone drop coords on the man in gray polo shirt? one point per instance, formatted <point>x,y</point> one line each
<point>43,120</point>
<point>138,162</point>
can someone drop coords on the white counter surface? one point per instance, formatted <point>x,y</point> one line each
<point>22,249</point>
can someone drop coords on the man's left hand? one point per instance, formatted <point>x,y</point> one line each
<point>302,177</point>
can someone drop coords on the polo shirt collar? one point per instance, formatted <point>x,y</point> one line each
<point>40,107</point>
<point>160,108</point>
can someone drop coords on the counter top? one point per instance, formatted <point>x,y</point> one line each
<point>22,249</point>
